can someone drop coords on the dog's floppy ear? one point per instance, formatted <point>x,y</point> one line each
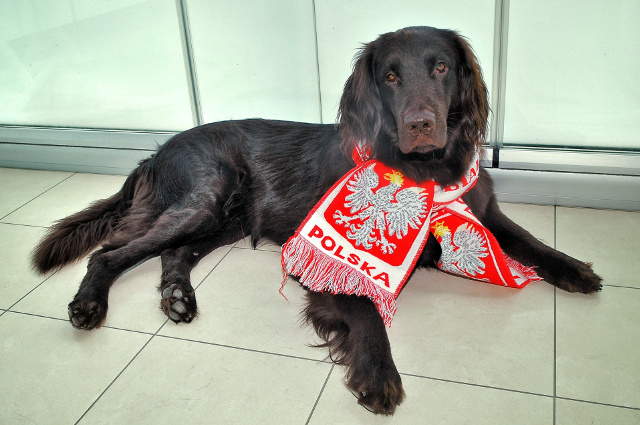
<point>473,94</point>
<point>360,113</point>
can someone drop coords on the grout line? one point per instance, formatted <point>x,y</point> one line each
<point>195,288</point>
<point>215,266</point>
<point>248,248</point>
<point>33,226</point>
<point>37,196</point>
<point>519,391</point>
<point>30,291</point>
<point>555,320</point>
<point>42,316</point>
<point>10,308</point>
<point>126,330</point>
<point>320,395</point>
<point>599,403</point>
<point>620,286</point>
<point>251,350</point>
<point>450,381</point>
<point>167,319</point>
<point>151,336</point>
<point>118,375</point>
<point>554,396</point>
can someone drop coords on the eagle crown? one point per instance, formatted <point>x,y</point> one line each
<point>439,229</point>
<point>395,177</point>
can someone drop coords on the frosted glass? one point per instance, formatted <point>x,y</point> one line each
<point>255,59</point>
<point>572,73</point>
<point>92,63</point>
<point>343,26</point>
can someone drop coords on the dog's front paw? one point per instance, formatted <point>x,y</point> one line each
<point>574,276</point>
<point>179,303</point>
<point>87,315</point>
<point>377,387</point>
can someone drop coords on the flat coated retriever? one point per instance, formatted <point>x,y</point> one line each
<point>416,99</point>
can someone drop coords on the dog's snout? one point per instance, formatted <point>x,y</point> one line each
<point>422,132</point>
<point>420,122</point>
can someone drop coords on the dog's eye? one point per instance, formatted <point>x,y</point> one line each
<point>391,78</point>
<point>441,68</point>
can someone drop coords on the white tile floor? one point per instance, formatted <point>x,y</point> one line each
<point>468,352</point>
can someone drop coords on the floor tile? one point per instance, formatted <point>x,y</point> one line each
<point>538,220</point>
<point>436,402</point>
<point>134,302</point>
<point>17,277</point>
<point>467,335</point>
<point>598,346</point>
<point>179,382</point>
<point>50,373</point>
<point>608,239</point>
<point>69,197</point>
<point>240,306</point>
<point>576,413</point>
<point>18,187</point>
<point>263,245</point>
<point>468,331</point>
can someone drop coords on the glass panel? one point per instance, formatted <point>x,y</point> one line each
<point>255,59</point>
<point>92,63</point>
<point>572,74</point>
<point>343,26</point>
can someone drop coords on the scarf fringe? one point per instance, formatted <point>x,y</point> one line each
<point>521,274</point>
<point>320,273</point>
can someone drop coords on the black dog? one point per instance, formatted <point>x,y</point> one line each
<point>416,98</point>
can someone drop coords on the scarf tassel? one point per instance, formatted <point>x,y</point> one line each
<point>320,273</point>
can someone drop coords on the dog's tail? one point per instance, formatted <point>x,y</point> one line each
<point>75,236</point>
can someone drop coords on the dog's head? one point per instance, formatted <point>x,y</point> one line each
<point>417,99</point>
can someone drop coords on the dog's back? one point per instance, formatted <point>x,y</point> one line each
<point>241,166</point>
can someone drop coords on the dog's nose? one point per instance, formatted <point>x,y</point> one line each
<point>421,122</point>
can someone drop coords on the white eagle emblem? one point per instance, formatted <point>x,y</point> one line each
<point>382,211</point>
<point>461,251</point>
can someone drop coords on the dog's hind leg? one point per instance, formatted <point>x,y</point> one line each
<point>178,296</point>
<point>172,228</point>
<point>354,332</point>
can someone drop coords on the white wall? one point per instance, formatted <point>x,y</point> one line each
<point>92,63</point>
<point>343,26</point>
<point>255,59</point>
<point>573,73</point>
<point>571,66</point>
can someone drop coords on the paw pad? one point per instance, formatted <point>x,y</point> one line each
<point>176,305</point>
<point>87,315</point>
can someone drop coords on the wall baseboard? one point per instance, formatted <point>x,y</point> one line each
<point>573,189</point>
<point>568,189</point>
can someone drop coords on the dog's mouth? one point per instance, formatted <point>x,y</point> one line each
<point>423,153</point>
<point>423,149</point>
<point>421,144</point>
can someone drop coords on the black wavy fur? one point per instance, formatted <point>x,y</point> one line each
<point>416,99</point>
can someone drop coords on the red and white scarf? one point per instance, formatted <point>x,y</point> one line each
<point>366,234</point>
